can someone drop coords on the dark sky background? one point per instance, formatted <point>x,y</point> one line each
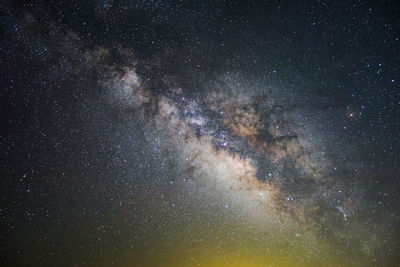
<point>143,133</point>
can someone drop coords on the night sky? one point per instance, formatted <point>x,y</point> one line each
<point>200,133</point>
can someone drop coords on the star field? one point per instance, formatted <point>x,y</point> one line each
<point>211,133</point>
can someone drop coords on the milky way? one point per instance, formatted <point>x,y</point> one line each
<point>154,133</point>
